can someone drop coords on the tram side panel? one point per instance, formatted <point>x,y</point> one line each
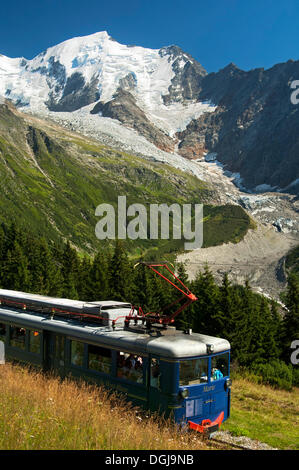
<point>22,344</point>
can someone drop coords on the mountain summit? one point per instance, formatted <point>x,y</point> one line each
<point>83,70</point>
<point>165,98</point>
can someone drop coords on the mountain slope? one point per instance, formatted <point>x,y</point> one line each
<point>53,180</point>
<point>254,127</point>
<point>123,107</point>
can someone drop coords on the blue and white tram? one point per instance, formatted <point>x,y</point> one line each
<point>180,374</point>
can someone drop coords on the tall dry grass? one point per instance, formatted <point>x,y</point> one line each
<point>42,412</point>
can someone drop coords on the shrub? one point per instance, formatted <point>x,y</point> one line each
<point>296,376</point>
<point>275,373</point>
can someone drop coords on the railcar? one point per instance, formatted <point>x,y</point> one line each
<point>179,374</point>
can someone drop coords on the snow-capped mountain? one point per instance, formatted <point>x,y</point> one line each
<point>148,101</point>
<point>152,86</point>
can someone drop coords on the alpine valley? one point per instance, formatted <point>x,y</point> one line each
<point>90,119</point>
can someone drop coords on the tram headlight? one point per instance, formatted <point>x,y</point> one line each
<point>228,384</point>
<point>184,393</point>
<point>210,348</point>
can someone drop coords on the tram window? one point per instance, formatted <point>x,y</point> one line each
<point>130,367</point>
<point>2,331</point>
<point>194,371</point>
<point>17,337</point>
<point>77,353</point>
<point>219,367</point>
<point>59,350</point>
<point>155,373</point>
<point>99,359</point>
<point>34,341</point>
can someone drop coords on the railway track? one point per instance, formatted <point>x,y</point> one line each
<point>220,443</point>
<point>225,440</point>
<point>230,442</point>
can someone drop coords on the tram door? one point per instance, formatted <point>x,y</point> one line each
<point>55,352</point>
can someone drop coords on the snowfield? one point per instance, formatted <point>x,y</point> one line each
<point>30,83</point>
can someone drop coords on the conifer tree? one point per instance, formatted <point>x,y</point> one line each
<point>16,272</point>
<point>120,275</point>
<point>240,336</point>
<point>69,271</point>
<point>257,331</point>
<point>83,281</point>
<point>205,308</point>
<point>143,290</point>
<point>99,277</point>
<point>45,277</point>
<point>184,319</point>
<point>223,317</point>
<point>276,321</point>
<point>291,318</point>
<point>271,350</point>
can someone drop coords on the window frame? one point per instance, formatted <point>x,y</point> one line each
<point>128,379</point>
<point>198,358</point>
<point>84,355</point>
<point>215,356</point>
<point>110,373</point>
<point>209,358</point>
<point>10,339</point>
<point>28,337</point>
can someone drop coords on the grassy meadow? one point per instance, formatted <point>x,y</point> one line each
<point>264,413</point>
<point>42,412</point>
<point>39,412</point>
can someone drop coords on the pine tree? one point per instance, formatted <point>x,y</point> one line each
<point>99,277</point>
<point>83,281</point>
<point>291,318</point>
<point>45,278</point>
<point>241,334</point>
<point>69,271</point>
<point>16,272</point>
<point>143,290</point>
<point>184,319</point>
<point>276,320</point>
<point>271,350</point>
<point>223,317</point>
<point>120,275</point>
<point>205,308</point>
<point>258,331</point>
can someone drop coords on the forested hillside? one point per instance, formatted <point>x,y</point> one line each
<point>260,332</point>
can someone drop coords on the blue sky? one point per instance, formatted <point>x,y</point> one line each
<point>250,33</point>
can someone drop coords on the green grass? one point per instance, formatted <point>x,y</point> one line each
<point>264,413</point>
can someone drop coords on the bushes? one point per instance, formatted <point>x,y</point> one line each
<point>276,373</point>
<point>295,377</point>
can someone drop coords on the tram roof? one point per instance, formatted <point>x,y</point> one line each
<point>46,301</point>
<point>178,345</point>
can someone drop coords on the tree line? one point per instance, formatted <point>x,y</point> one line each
<point>259,331</point>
